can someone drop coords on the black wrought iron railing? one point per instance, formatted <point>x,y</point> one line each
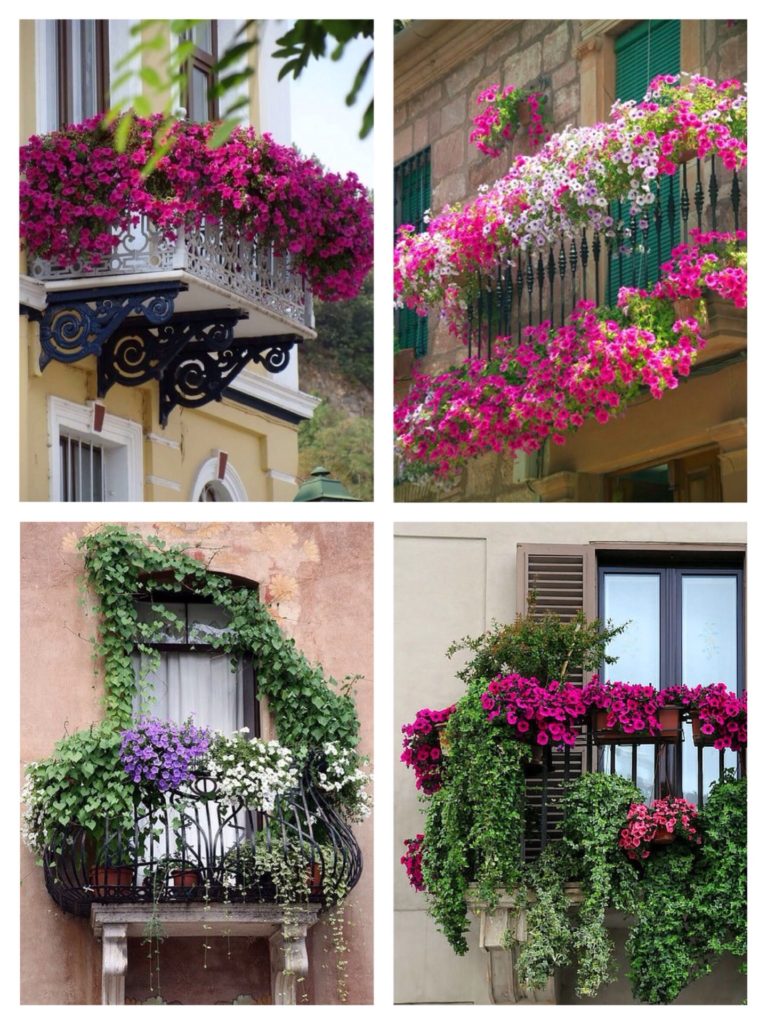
<point>193,844</point>
<point>546,285</point>
<point>658,769</point>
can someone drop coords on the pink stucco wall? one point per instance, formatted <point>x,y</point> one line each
<point>319,579</point>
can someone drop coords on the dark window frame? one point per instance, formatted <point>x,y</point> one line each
<point>672,569</point>
<point>251,711</point>
<point>65,71</point>
<point>204,61</point>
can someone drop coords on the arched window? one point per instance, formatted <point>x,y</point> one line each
<point>209,485</point>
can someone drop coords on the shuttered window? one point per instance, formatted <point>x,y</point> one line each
<point>412,198</point>
<point>648,49</point>
<point>560,579</point>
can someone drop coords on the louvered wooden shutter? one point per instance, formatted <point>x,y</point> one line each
<point>563,579</point>
<point>412,198</point>
<point>648,49</point>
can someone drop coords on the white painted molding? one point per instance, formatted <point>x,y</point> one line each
<point>267,389</point>
<point>277,474</point>
<point>166,441</point>
<point>160,481</point>
<point>121,440</point>
<point>231,487</point>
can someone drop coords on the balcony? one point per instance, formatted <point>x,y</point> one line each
<point>213,263</point>
<point>194,846</point>
<point>546,284</point>
<point>674,767</point>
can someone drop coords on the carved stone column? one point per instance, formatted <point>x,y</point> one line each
<point>114,964</point>
<point>289,961</point>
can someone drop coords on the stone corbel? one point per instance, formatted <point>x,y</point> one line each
<point>289,961</point>
<point>114,964</point>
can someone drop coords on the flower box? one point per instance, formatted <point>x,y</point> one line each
<point>670,719</point>
<point>444,742</point>
<point>686,309</point>
<point>111,881</point>
<point>700,739</point>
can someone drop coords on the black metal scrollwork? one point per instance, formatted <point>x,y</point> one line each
<point>76,324</point>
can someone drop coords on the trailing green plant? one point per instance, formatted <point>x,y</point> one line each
<point>549,932</point>
<point>475,823</point>
<point>83,782</point>
<point>540,646</point>
<point>720,884</point>
<point>693,906</point>
<point>664,954</point>
<point>594,809</point>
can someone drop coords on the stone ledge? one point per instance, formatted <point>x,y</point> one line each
<point>260,920</point>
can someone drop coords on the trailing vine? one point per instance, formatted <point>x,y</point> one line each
<point>308,708</point>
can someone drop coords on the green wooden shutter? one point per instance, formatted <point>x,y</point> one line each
<point>648,49</point>
<point>412,198</point>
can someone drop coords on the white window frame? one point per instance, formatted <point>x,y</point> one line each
<point>121,441</point>
<point>231,484</point>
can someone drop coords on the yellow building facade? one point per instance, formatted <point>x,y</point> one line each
<point>89,432</point>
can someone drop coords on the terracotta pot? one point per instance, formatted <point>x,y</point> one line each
<point>691,153</point>
<point>663,837</point>
<point>110,881</point>
<point>187,877</point>
<point>686,308</point>
<point>700,739</point>
<point>523,113</point>
<point>314,878</point>
<point>670,729</point>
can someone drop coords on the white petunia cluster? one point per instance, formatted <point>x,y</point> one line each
<point>343,776</point>
<point>255,772</point>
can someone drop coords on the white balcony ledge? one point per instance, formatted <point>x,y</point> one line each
<point>219,268</point>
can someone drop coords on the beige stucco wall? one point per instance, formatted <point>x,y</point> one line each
<point>323,576</point>
<point>254,442</point>
<point>452,580</point>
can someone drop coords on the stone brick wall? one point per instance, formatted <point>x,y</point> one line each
<point>440,116</point>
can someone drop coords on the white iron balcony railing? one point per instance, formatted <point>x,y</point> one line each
<point>213,254</point>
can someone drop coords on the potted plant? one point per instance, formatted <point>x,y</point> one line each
<point>630,713</point>
<point>507,110</point>
<point>658,825</point>
<point>424,746</point>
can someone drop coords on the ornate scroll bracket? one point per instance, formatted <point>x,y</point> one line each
<point>79,323</point>
<point>140,351</point>
<point>199,373</point>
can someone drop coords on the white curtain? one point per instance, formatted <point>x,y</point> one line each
<point>205,686</point>
<point>202,685</point>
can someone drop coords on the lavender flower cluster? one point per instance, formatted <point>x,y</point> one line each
<point>161,752</point>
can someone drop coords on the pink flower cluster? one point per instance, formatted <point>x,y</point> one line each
<point>723,714</point>
<point>413,861</point>
<point>567,185</point>
<point>78,196</point>
<point>421,748</point>
<point>715,260</point>
<point>548,385</point>
<point>674,815</point>
<point>500,120</point>
<point>538,713</point>
<point>631,707</point>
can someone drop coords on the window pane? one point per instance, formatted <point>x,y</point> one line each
<point>198,96</point>
<point>202,36</point>
<point>634,598</point>
<point>709,630</point>
<point>206,620</point>
<point>169,633</point>
<point>709,655</point>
